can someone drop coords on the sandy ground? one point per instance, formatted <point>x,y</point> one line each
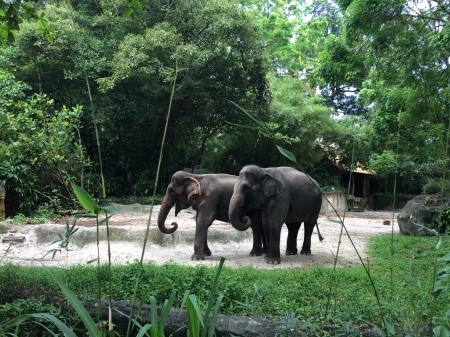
<point>128,229</point>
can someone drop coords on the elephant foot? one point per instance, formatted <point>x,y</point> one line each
<point>255,252</point>
<point>305,252</point>
<point>198,257</point>
<point>208,253</point>
<point>272,260</point>
<point>291,251</point>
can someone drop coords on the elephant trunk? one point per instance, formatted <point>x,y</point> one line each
<point>235,211</point>
<point>166,205</point>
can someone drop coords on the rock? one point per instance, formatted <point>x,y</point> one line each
<point>238,326</point>
<point>11,237</point>
<point>421,213</point>
<point>177,321</point>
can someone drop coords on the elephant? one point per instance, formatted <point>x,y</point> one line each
<point>284,195</point>
<point>209,195</point>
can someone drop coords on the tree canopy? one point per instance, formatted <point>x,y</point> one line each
<point>343,82</point>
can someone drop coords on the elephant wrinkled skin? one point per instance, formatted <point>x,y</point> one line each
<point>209,195</point>
<point>284,195</point>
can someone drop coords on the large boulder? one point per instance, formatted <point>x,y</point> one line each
<point>421,211</point>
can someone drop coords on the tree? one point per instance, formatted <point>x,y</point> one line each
<point>219,57</point>
<point>40,152</point>
<point>12,14</point>
<point>132,59</point>
<point>405,46</point>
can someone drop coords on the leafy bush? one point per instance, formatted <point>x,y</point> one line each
<point>39,153</point>
<point>19,308</point>
<point>437,186</point>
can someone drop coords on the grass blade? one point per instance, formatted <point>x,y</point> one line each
<point>58,323</point>
<point>78,306</point>
<point>165,311</point>
<point>194,316</point>
<point>212,295</point>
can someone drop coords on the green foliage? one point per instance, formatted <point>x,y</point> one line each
<point>437,186</point>
<point>220,55</point>
<point>63,242</point>
<point>15,318</point>
<point>384,164</point>
<point>20,219</point>
<point>272,293</point>
<point>443,218</point>
<point>404,87</point>
<point>37,151</point>
<point>12,14</point>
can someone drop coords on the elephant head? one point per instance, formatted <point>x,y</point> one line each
<point>180,191</point>
<point>251,191</point>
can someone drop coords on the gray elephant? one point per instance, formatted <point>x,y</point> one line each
<point>209,195</point>
<point>284,195</point>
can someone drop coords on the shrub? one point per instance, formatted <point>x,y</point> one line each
<point>437,186</point>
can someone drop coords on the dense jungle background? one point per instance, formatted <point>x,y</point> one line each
<point>85,88</point>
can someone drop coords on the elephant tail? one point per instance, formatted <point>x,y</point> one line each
<point>318,232</point>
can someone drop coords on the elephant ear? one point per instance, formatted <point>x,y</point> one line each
<point>192,187</point>
<point>270,186</point>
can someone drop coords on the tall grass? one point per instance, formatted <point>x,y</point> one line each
<point>274,292</point>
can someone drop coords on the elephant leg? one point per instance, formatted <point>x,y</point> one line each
<point>201,233</point>
<point>206,249</point>
<point>273,229</point>
<point>259,244</point>
<point>306,248</point>
<point>291,242</point>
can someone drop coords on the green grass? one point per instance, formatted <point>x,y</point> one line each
<point>275,292</point>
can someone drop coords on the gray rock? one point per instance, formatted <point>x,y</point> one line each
<point>176,325</point>
<point>421,213</point>
<point>238,326</point>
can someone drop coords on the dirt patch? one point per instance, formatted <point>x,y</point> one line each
<point>128,229</point>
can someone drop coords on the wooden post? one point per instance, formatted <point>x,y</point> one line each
<point>2,203</point>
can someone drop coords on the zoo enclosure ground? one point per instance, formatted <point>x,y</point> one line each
<point>127,229</point>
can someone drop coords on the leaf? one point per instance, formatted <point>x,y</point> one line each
<point>85,199</point>
<point>254,128</point>
<point>144,329</point>
<point>92,261</point>
<point>194,316</point>
<point>109,209</point>
<point>246,114</point>
<point>59,324</point>
<point>288,154</point>
<point>90,215</point>
<point>208,323</point>
<point>335,221</point>
<point>87,320</point>
<point>165,311</point>
<point>441,331</point>
<point>105,220</point>
<point>128,12</point>
<point>389,328</point>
